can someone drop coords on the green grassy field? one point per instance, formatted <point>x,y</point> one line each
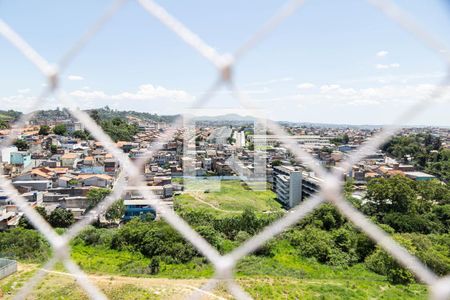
<point>233,197</point>
<point>124,275</point>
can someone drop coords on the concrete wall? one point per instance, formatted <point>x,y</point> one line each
<point>7,267</point>
<point>6,154</point>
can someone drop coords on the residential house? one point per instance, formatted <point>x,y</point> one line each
<point>99,180</point>
<point>20,158</point>
<point>68,159</point>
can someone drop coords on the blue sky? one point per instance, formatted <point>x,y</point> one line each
<point>331,61</point>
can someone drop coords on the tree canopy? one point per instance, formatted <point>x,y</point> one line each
<point>44,130</point>
<point>60,129</point>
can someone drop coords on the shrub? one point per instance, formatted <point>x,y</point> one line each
<point>325,217</point>
<point>433,253</point>
<point>313,242</point>
<point>382,263</point>
<point>211,235</point>
<point>92,236</point>
<point>26,244</point>
<point>410,223</point>
<point>154,266</point>
<point>153,239</point>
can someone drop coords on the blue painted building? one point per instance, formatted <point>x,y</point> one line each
<point>138,208</point>
<point>21,158</point>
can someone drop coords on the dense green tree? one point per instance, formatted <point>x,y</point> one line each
<point>428,250</point>
<point>19,243</point>
<point>382,263</point>
<point>3,124</point>
<point>440,166</point>
<point>276,163</point>
<point>211,235</point>
<point>95,115</point>
<point>154,266</point>
<point>242,236</point>
<point>95,236</point>
<point>44,130</point>
<point>425,152</point>
<point>432,251</point>
<point>325,217</point>
<point>345,139</point>
<point>24,222</point>
<point>249,221</point>
<point>53,149</point>
<point>61,218</point>
<point>154,239</point>
<point>21,145</point>
<point>394,194</point>
<point>411,222</point>
<point>116,211</point>
<point>60,129</point>
<point>313,242</point>
<point>341,140</point>
<point>406,205</point>
<point>80,134</point>
<point>431,192</point>
<point>442,213</point>
<point>96,195</point>
<point>119,129</point>
<point>349,187</point>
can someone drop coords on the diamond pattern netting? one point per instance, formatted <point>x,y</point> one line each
<point>130,171</point>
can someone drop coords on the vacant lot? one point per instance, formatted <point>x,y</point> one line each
<point>233,197</point>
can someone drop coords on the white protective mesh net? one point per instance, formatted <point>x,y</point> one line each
<point>225,63</point>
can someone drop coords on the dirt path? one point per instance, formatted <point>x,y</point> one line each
<point>180,286</point>
<point>198,196</point>
<point>57,281</point>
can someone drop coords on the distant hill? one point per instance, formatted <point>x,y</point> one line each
<point>329,125</point>
<point>227,117</point>
<point>104,113</point>
<point>51,114</point>
<point>8,116</point>
<point>107,113</point>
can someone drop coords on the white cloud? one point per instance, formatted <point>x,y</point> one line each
<point>397,78</point>
<point>271,81</point>
<point>382,53</point>
<point>387,66</point>
<point>75,77</point>
<point>144,92</point>
<point>90,95</point>
<point>23,91</point>
<point>386,95</point>
<point>20,102</point>
<point>305,86</point>
<point>329,87</point>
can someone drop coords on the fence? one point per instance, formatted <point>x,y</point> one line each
<point>7,267</point>
<point>225,63</point>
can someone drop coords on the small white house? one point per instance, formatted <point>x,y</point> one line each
<point>6,154</point>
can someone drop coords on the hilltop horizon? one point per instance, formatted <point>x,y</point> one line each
<point>236,116</point>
